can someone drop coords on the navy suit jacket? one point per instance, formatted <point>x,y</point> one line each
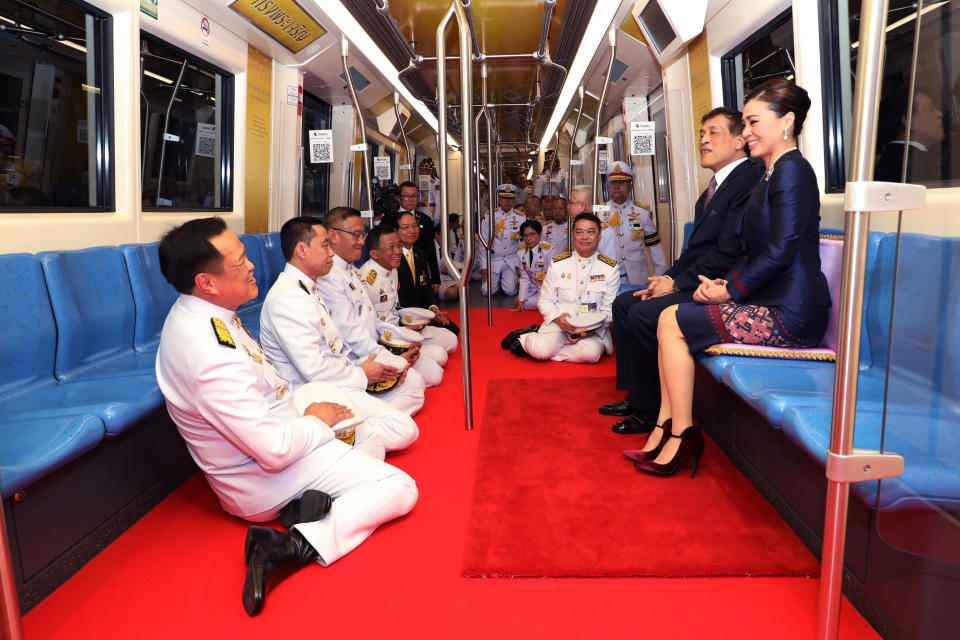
<point>780,240</point>
<point>415,290</point>
<point>705,254</point>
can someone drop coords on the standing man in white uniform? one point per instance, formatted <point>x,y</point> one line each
<point>551,183</point>
<point>258,453</point>
<point>555,230</point>
<point>352,311</point>
<point>628,227</point>
<point>578,285</point>
<point>302,341</point>
<point>506,237</point>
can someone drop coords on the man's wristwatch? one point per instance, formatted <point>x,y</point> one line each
<point>675,290</point>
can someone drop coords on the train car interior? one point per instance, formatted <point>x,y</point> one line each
<point>827,501</point>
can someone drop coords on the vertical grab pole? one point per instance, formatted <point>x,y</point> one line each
<point>10,627</point>
<point>573,144</point>
<point>488,241</point>
<point>856,228</point>
<point>166,132</point>
<point>344,50</point>
<point>466,104</point>
<point>406,147</point>
<point>612,35</point>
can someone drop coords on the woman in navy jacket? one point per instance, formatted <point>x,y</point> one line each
<point>775,295</point>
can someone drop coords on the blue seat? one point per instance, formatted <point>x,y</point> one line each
<point>93,306</point>
<point>33,447</point>
<point>249,312</point>
<point>152,294</point>
<point>273,257</point>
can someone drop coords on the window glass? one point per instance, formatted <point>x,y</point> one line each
<point>186,118</point>
<point>768,54</point>
<point>316,175</point>
<point>931,137</point>
<point>54,133</point>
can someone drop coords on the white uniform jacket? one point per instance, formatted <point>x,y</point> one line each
<point>627,229</point>
<point>311,348</point>
<point>381,286</point>
<point>234,411</point>
<point>352,311</point>
<point>550,184</point>
<point>576,285</point>
<point>533,271</point>
<point>555,234</point>
<point>506,235</point>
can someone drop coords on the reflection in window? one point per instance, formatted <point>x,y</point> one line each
<point>316,165</point>
<point>186,116</point>
<point>768,54</point>
<point>54,149</point>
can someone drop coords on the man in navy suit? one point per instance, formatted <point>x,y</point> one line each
<point>635,313</point>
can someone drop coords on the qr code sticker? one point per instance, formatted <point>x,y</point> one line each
<point>320,153</point>
<point>642,145</point>
<point>205,146</point>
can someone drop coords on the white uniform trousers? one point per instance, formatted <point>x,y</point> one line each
<point>439,337</point>
<point>429,369</point>
<point>503,277</point>
<point>393,428</point>
<point>367,492</point>
<point>409,396</point>
<point>531,303</point>
<point>548,344</point>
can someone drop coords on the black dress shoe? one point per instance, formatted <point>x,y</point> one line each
<point>634,424</point>
<point>513,336</point>
<point>517,349</point>
<point>621,408</point>
<point>266,550</point>
<point>309,507</point>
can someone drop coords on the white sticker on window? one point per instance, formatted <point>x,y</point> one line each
<point>206,140</point>
<point>321,145</point>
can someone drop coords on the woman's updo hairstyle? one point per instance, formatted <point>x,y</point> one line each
<point>783,96</point>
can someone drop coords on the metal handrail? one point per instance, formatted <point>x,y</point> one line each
<point>466,96</point>
<point>166,123</point>
<point>856,230</point>
<point>344,50</point>
<point>406,146</point>
<point>488,242</point>
<point>573,144</point>
<point>612,35</point>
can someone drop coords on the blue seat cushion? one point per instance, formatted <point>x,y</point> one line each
<point>118,402</point>
<point>928,440</point>
<point>152,294</point>
<point>28,340</point>
<point>30,448</point>
<point>274,261</point>
<point>630,287</point>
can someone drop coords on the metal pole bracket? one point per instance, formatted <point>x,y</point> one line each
<point>863,465</point>
<point>883,196</point>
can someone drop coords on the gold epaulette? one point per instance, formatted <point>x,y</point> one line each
<point>544,245</point>
<point>607,259</point>
<point>303,286</point>
<point>642,205</point>
<point>564,255</point>
<point>223,335</point>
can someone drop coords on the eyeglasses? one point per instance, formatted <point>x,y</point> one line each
<point>359,235</point>
<point>407,227</point>
<point>390,247</point>
<point>532,234</point>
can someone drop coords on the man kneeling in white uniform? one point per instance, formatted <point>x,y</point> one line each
<point>576,301</point>
<point>261,455</point>
<point>302,341</point>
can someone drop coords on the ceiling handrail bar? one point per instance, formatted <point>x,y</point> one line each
<point>344,51</point>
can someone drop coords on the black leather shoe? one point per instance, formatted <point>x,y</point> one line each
<point>311,506</point>
<point>634,424</point>
<point>621,408</point>
<point>513,336</point>
<point>517,349</point>
<point>265,551</point>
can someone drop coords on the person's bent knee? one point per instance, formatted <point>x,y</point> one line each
<point>667,323</point>
<point>406,491</point>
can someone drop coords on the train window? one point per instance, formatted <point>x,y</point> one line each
<point>920,56</point>
<point>55,98</point>
<point>317,114</point>
<point>767,54</point>
<point>186,119</point>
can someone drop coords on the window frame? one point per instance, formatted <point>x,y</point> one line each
<point>834,163</point>
<point>228,83</point>
<point>728,61</point>
<point>103,116</point>
<point>324,110</point>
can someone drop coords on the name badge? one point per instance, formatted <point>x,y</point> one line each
<point>587,307</point>
<point>598,277</point>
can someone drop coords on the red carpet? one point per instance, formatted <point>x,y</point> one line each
<point>177,574</point>
<point>554,497</point>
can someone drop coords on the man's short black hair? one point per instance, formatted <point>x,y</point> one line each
<point>295,231</point>
<point>586,215</point>
<point>336,216</point>
<point>186,251</point>
<point>408,184</point>
<point>734,119</point>
<point>531,224</point>
<point>373,238</point>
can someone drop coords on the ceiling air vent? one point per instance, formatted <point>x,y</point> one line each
<point>619,67</point>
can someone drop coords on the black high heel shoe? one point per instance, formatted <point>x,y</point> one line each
<point>639,455</point>
<point>691,446</point>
